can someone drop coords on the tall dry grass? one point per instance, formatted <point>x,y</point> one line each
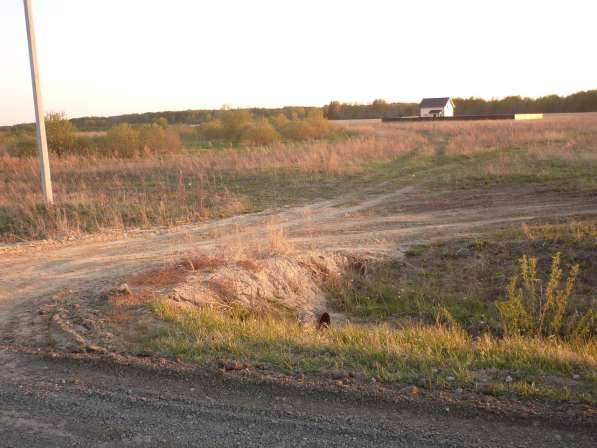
<point>509,147</point>
<point>94,193</point>
<point>563,135</point>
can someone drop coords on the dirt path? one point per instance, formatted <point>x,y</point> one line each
<point>60,401</point>
<point>380,224</point>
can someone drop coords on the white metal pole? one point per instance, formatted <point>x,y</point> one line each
<point>42,144</point>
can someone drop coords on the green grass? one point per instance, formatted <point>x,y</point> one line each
<point>432,356</point>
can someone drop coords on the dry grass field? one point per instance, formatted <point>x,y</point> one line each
<point>408,234</point>
<point>95,194</point>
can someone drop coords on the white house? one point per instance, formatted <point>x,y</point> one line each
<point>436,107</point>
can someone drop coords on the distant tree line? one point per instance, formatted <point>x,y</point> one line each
<point>585,101</point>
<point>577,102</point>
<point>377,109</point>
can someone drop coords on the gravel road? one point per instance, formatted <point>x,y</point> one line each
<point>61,401</point>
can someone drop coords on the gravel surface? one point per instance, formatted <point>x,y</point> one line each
<point>60,401</point>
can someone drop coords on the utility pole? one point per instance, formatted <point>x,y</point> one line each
<point>42,144</point>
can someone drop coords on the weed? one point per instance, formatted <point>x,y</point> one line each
<point>542,310</point>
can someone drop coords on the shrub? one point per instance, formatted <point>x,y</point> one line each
<point>298,130</point>
<point>543,310</point>
<point>212,130</point>
<point>234,123</point>
<point>313,126</point>
<point>279,121</point>
<point>122,140</point>
<point>235,126</point>
<point>318,123</point>
<point>260,133</point>
<point>157,139</point>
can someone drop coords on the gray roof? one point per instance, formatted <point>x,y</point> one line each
<point>434,102</point>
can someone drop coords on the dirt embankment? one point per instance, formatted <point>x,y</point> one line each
<point>118,317</point>
<point>290,282</point>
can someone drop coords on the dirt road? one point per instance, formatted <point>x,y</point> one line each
<point>48,402</point>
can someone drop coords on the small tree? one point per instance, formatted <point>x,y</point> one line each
<point>60,133</point>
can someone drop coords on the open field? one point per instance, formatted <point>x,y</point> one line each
<point>95,194</point>
<point>407,234</point>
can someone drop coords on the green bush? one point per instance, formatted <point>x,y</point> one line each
<point>60,133</point>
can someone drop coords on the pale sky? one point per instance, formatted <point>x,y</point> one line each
<point>105,57</point>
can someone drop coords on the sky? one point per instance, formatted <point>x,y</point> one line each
<point>106,57</point>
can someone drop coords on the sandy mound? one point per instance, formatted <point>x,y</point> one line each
<point>118,318</point>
